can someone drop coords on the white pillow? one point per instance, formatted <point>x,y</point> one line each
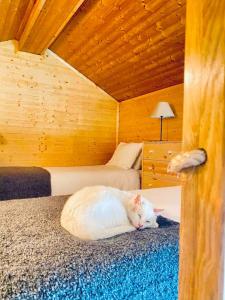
<point>125,155</point>
<point>138,162</point>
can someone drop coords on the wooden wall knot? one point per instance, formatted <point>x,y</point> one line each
<point>187,160</point>
<point>2,140</point>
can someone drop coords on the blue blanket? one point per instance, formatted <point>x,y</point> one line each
<point>40,260</point>
<point>24,182</point>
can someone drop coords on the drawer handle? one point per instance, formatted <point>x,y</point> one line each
<point>150,184</point>
<point>151,151</point>
<point>150,168</point>
<point>170,152</point>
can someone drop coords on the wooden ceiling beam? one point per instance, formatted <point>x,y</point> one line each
<point>46,21</point>
<point>23,23</point>
<point>11,15</point>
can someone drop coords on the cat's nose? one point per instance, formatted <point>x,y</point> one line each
<point>139,226</point>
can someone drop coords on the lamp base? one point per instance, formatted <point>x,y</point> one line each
<point>161,125</point>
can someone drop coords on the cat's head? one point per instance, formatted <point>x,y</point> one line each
<point>139,211</point>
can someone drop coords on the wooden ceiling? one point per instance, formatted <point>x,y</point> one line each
<point>35,23</point>
<point>127,47</point>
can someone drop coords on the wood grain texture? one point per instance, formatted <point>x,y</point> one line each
<point>51,115</point>
<point>136,125</point>
<point>13,16</point>
<point>128,48</point>
<point>202,222</point>
<point>156,156</point>
<point>46,21</point>
<point>26,16</point>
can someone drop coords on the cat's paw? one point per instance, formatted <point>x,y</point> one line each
<point>150,225</point>
<point>155,225</point>
<point>187,160</point>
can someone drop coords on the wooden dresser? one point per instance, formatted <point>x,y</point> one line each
<point>156,156</point>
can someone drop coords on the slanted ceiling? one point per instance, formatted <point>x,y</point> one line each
<point>128,48</point>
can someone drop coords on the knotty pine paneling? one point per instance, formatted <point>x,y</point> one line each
<point>51,115</point>
<point>128,48</point>
<point>135,123</point>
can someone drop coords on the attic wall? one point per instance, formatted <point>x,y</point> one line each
<point>135,123</point>
<point>51,115</point>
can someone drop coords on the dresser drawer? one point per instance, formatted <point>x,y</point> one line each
<point>161,151</point>
<point>158,180</point>
<point>155,166</point>
<point>158,184</point>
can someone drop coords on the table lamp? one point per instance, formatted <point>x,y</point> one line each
<point>162,111</point>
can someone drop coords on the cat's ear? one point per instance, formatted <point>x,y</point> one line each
<point>137,201</point>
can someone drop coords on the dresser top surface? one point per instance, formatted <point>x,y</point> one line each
<point>162,142</point>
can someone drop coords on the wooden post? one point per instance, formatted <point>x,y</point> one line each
<point>202,222</point>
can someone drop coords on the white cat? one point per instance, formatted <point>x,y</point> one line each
<point>100,212</point>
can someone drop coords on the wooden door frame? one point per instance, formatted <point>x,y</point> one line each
<point>203,197</point>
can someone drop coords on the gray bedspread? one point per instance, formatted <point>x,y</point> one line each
<point>24,182</point>
<point>40,260</point>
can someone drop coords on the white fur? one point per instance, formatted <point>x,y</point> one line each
<point>186,160</point>
<point>100,212</point>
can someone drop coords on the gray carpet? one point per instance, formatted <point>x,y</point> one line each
<point>40,260</point>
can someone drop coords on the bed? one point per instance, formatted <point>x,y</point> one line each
<point>24,182</point>
<point>67,180</point>
<point>32,182</point>
<point>166,198</point>
<point>40,260</point>
<point>122,171</point>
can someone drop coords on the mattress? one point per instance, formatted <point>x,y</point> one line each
<point>67,180</point>
<point>40,260</point>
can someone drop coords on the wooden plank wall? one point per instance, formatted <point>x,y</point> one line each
<point>51,115</point>
<point>135,123</point>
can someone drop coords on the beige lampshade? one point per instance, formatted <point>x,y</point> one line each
<point>164,110</point>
